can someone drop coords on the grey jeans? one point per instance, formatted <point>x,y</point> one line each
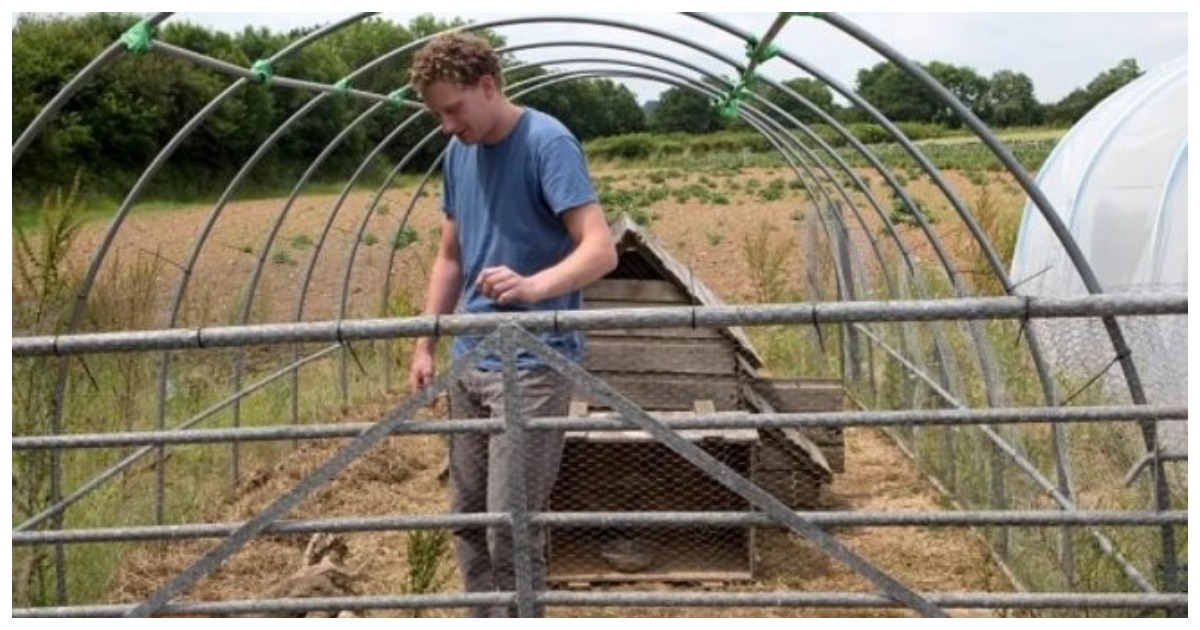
<point>479,469</point>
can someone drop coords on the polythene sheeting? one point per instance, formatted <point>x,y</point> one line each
<point>1118,179</point>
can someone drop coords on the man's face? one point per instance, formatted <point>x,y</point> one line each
<point>463,111</point>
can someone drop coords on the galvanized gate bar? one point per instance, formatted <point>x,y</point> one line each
<point>725,420</point>
<point>608,519</point>
<point>691,599</point>
<point>603,319</point>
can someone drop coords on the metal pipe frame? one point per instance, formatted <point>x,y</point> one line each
<point>798,157</point>
<point>607,519</point>
<point>1115,601</point>
<point>1015,308</point>
<point>959,416</point>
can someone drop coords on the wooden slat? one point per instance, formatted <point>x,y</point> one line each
<point>787,449</point>
<point>741,436</point>
<point>836,456</point>
<point>651,333</point>
<point>796,489</point>
<point>798,395</point>
<point>679,357</point>
<point>672,392</point>
<point>638,435</point>
<point>629,235</point>
<point>621,290</point>
<point>594,304</point>
<point>828,439</point>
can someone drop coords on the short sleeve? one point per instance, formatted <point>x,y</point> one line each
<point>448,199</point>
<point>564,175</point>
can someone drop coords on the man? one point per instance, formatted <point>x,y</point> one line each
<point>522,231</point>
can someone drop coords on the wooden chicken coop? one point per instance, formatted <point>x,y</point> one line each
<point>679,372</point>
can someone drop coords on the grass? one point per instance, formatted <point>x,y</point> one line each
<point>118,392</point>
<point>428,551</point>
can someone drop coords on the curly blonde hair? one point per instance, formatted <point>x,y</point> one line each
<point>458,58</point>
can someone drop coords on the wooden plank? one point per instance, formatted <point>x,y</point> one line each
<point>796,489</point>
<point>679,357</point>
<point>672,392</point>
<point>743,436</point>
<point>651,333</point>
<point>578,409</point>
<point>629,235</point>
<point>836,456</point>
<point>621,290</point>
<point>597,304</point>
<point>799,395</point>
<point>828,439</point>
<point>638,435</point>
<point>786,449</point>
<point>705,408</point>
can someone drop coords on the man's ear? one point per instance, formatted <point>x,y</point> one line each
<point>488,83</point>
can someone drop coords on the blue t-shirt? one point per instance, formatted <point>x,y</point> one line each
<point>507,201</point>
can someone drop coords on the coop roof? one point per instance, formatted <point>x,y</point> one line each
<point>661,264</point>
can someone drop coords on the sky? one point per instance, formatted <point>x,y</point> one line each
<point>1058,51</point>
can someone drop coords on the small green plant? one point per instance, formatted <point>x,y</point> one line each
<point>766,259</point>
<point>902,213</point>
<point>641,216</point>
<point>408,236</point>
<point>282,257</point>
<point>427,552</point>
<point>301,242</point>
<point>714,238</point>
<point>43,283</point>
<point>369,239</point>
<point>773,191</point>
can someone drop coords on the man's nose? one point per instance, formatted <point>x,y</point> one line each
<point>449,127</point>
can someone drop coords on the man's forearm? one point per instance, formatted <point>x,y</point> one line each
<point>589,262</point>
<point>445,286</point>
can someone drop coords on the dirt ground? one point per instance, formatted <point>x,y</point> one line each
<point>400,476</point>
<point>306,271</point>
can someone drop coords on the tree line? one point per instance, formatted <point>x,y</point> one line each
<point>113,128</point>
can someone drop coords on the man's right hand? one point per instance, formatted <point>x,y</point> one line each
<point>422,372</point>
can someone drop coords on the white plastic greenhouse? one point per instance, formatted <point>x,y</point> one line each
<point>1118,179</point>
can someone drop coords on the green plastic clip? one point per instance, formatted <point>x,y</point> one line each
<point>760,56</point>
<point>137,38</point>
<point>398,96</point>
<point>262,69</point>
